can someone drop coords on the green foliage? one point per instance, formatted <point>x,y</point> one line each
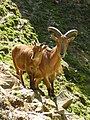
<point>16,93</point>
<point>81,104</point>
<point>80,109</point>
<point>76,108</point>
<point>13,30</point>
<point>2,10</point>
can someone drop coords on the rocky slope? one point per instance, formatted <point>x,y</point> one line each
<point>18,103</point>
<point>73,96</point>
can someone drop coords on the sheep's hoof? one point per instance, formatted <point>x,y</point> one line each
<point>41,92</point>
<point>38,90</point>
<point>23,86</point>
<point>51,94</point>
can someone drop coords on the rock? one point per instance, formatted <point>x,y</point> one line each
<point>37,105</point>
<point>39,116</point>
<point>69,116</point>
<point>3,115</point>
<point>81,118</point>
<point>19,115</point>
<point>15,101</point>
<point>7,80</point>
<point>56,116</point>
<point>63,95</point>
<point>61,111</point>
<point>27,107</point>
<point>4,103</point>
<point>49,114</point>
<point>45,108</point>
<point>64,100</point>
<point>49,102</point>
<point>67,103</point>
<point>2,91</point>
<point>27,94</point>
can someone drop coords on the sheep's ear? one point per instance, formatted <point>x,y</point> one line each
<point>32,57</point>
<point>71,39</point>
<point>42,44</point>
<point>44,47</point>
<point>34,43</point>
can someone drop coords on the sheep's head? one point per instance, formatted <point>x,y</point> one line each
<point>37,52</point>
<point>64,38</point>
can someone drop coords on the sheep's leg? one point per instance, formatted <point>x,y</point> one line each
<point>21,78</point>
<point>52,77</point>
<point>30,76</point>
<point>16,68</point>
<point>32,82</point>
<point>37,81</point>
<point>49,87</point>
<point>18,72</point>
<point>52,91</point>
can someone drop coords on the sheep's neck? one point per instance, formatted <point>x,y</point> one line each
<point>50,61</point>
<point>55,53</point>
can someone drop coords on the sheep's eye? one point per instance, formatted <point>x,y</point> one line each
<point>39,49</point>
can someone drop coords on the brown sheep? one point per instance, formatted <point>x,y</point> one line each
<point>43,65</point>
<point>51,59</point>
<point>27,58</point>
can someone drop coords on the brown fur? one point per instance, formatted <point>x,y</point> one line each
<point>49,66</point>
<point>26,58</point>
<point>43,65</point>
<point>51,59</point>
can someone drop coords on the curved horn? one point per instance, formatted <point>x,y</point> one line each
<point>71,32</point>
<point>55,30</point>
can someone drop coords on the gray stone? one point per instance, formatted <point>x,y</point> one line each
<point>49,114</point>
<point>67,103</point>
<point>45,108</point>
<point>15,101</point>
<point>39,107</point>
<point>56,116</point>
<point>81,118</point>
<point>50,103</point>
